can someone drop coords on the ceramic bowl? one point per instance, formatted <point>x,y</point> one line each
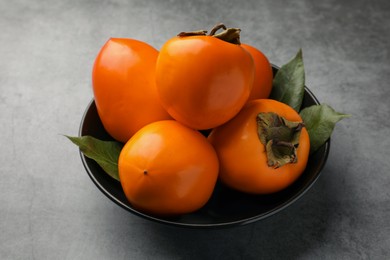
<point>226,207</point>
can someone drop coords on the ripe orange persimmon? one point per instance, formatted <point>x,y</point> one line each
<point>167,168</point>
<point>262,84</point>
<point>204,80</point>
<point>124,87</point>
<point>263,149</point>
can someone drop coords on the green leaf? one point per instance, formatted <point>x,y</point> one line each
<point>320,121</point>
<point>289,83</point>
<point>105,153</point>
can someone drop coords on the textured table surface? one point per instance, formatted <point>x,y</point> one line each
<point>50,209</point>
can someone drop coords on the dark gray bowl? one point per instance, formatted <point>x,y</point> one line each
<point>226,207</point>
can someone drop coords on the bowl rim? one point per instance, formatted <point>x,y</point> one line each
<point>240,222</point>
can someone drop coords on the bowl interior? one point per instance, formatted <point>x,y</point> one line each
<point>226,207</point>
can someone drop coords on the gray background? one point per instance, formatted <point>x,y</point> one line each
<point>50,209</point>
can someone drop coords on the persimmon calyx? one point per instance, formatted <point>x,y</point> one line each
<point>193,33</point>
<point>231,35</point>
<point>280,138</point>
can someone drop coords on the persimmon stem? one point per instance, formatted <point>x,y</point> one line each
<point>216,28</point>
<point>231,35</point>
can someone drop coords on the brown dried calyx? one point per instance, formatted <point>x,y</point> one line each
<point>280,138</point>
<point>231,35</point>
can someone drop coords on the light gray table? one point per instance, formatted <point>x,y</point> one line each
<point>50,209</point>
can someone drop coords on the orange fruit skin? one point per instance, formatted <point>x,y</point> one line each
<point>262,84</point>
<point>242,156</point>
<point>203,81</point>
<point>167,168</point>
<point>124,87</point>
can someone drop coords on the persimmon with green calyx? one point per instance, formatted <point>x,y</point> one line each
<point>263,149</point>
<point>124,87</point>
<point>204,80</point>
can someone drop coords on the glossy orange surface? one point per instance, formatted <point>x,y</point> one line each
<point>262,84</point>
<point>123,81</point>
<point>242,156</point>
<point>168,169</point>
<point>203,81</point>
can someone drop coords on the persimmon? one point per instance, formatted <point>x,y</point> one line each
<point>167,168</point>
<point>124,86</point>
<point>204,80</point>
<point>262,150</point>
<point>262,84</point>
